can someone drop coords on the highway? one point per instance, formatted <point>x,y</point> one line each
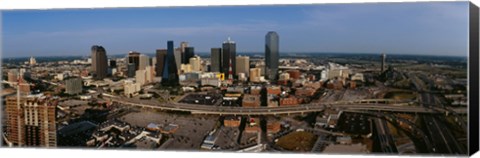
<point>385,139</point>
<point>300,109</point>
<point>441,137</point>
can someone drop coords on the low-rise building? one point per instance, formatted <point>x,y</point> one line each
<point>251,100</point>
<point>290,101</point>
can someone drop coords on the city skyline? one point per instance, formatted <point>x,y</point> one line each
<point>349,28</point>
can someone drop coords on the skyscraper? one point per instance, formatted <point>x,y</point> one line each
<point>243,65</point>
<point>170,71</point>
<point>134,58</point>
<point>215,59</point>
<point>271,55</point>
<point>161,54</point>
<point>183,45</point>
<point>144,61</point>
<point>99,62</point>
<point>228,54</point>
<point>189,53</point>
<point>383,58</point>
<point>178,56</point>
<point>31,121</point>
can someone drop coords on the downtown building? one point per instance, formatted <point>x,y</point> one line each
<point>243,65</point>
<point>271,55</point>
<point>216,60</point>
<point>189,53</point>
<point>160,55</point>
<point>170,71</point>
<point>31,121</point>
<point>228,57</point>
<point>99,62</point>
<point>73,85</point>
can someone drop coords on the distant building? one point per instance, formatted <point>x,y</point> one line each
<point>255,74</point>
<point>32,61</point>
<point>228,55</point>
<point>170,71</point>
<point>178,56</point>
<point>31,121</point>
<point>294,74</point>
<point>251,100</point>
<point>73,86</point>
<point>134,57</point>
<point>271,55</point>
<point>273,126</point>
<point>195,63</point>
<point>216,60</point>
<point>243,65</point>
<point>160,55</point>
<point>189,53</point>
<point>141,77</point>
<point>215,82</point>
<point>305,91</point>
<point>112,63</point>
<point>290,101</point>
<point>99,62</point>
<point>274,90</point>
<point>130,70</point>
<point>183,45</point>
<point>284,76</point>
<point>150,74</point>
<point>383,58</point>
<point>130,88</point>
<point>144,61</point>
<point>232,121</point>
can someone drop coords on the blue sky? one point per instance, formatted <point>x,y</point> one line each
<point>439,28</point>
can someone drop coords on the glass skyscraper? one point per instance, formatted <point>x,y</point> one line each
<point>271,55</point>
<point>170,71</point>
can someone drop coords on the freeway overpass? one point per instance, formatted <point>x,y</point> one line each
<point>300,109</point>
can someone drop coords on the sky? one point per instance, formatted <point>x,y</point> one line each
<point>432,28</point>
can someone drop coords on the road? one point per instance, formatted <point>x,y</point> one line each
<point>300,109</point>
<point>441,137</point>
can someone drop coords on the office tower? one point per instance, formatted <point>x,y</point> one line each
<point>195,63</point>
<point>178,56</point>
<point>113,63</point>
<point>144,61</point>
<point>32,61</point>
<point>228,54</point>
<point>153,61</point>
<point>243,65</point>
<point>134,58</point>
<point>215,59</point>
<point>189,53</point>
<point>141,77</point>
<point>161,53</point>
<point>271,55</point>
<point>384,57</point>
<point>170,71</point>
<point>255,74</point>
<point>73,86</point>
<point>130,69</point>
<point>183,45</point>
<point>150,76</point>
<point>31,121</point>
<point>99,62</point>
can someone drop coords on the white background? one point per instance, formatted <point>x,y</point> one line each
<point>67,153</point>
